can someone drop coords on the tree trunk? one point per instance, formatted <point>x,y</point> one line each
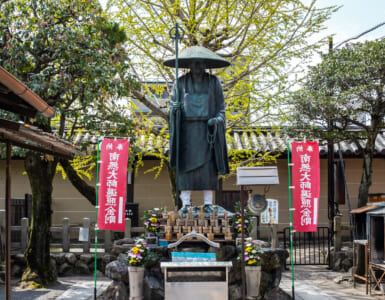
<point>86,190</point>
<point>172,177</point>
<point>366,179</point>
<point>40,271</point>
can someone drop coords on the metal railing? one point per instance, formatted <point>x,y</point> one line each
<point>309,248</point>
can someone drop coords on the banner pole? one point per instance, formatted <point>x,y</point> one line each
<point>96,218</point>
<point>291,222</point>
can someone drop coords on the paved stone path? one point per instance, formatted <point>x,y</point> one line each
<point>319,283</point>
<point>311,283</point>
<point>84,289</point>
<point>67,288</point>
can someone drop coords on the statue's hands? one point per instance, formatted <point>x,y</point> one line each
<point>212,121</point>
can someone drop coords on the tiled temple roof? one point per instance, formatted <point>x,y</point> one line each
<point>261,143</point>
<point>276,143</point>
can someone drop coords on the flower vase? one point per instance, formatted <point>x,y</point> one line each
<point>136,275</point>
<point>253,279</point>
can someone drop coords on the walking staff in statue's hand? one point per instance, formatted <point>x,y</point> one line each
<point>202,148</point>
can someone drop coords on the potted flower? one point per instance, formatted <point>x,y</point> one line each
<point>137,256</point>
<point>252,259</point>
<point>151,223</point>
<point>236,220</point>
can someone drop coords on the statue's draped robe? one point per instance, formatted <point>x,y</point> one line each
<point>199,162</point>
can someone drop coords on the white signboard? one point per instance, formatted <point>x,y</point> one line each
<point>83,234</point>
<point>270,214</point>
<point>257,175</point>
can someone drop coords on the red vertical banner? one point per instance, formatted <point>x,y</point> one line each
<point>306,183</point>
<point>112,184</point>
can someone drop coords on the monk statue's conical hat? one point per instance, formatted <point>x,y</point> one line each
<point>197,53</point>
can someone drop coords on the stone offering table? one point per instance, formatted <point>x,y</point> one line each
<point>196,280</point>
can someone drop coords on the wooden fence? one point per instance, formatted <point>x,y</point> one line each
<point>67,236</point>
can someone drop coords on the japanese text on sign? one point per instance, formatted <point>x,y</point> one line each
<point>306,182</point>
<point>112,190</point>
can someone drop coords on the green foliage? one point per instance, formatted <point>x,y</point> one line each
<point>82,165</point>
<point>114,33</point>
<point>346,88</point>
<point>343,99</point>
<point>72,57</point>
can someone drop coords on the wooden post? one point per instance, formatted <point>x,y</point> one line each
<point>86,226</point>
<point>127,230</point>
<point>337,233</point>
<point>66,234</point>
<point>8,223</point>
<point>274,235</point>
<point>2,235</point>
<point>24,233</point>
<point>107,240</point>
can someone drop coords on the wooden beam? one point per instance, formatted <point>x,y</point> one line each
<point>8,223</point>
<point>17,141</point>
<point>31,137</point>
<point>13,104</point>
<point>22,91</point>
<point>9,124</point>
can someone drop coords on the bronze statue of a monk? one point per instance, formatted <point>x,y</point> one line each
<point>198,117</point>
